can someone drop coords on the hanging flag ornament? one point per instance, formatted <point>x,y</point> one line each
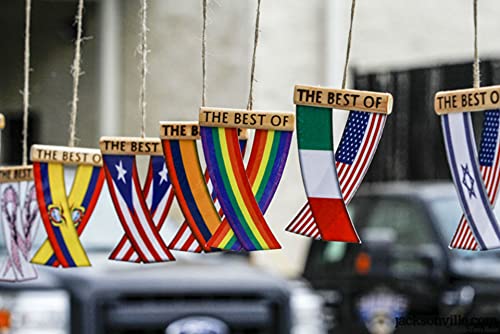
<point>65,217</point>
<point>228,174</point>
<point>196,199</point>
<point>489,162</point>
<point>476,178</point>
<point>331,180</point>
<point>159,196</point>
<point>264,171</point>
<point>136,214</point>
<point>18,207</point>
<point>184,240</point>
<point>19,218</point>
<point>454,108</point>
<point>142,210</point>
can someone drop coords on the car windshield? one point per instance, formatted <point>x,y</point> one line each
<point>448,212</point>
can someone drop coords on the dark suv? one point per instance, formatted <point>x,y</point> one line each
<point>404,275</point>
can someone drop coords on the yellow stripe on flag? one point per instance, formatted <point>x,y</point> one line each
<point>68,231</point>
<point>234,186</point>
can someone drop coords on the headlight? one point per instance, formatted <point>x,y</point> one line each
<point>307,311</point>
<point>30,312</point>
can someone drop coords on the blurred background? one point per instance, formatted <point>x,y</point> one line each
<point>409,48</point>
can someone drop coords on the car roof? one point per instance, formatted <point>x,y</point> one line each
<point>423,190</point>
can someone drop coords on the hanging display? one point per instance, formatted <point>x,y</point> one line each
<point>184,240</point>
<point>228,174</point>
<point>19,218</point>
<point>159,196</point>
<point>65,217</point>
<point>353,158</point>
<point>325,216</point>
<point>264,171</point>
<point>489,163</point>
<point>476,178</point>
<point>129,197</point>
<point>469,174</point>
<point>19,214</point>
<point>198,202</point>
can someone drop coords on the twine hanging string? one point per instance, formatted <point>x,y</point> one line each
<point>26,90</point>
<point>476,66</point>
<point>143,50</point>
<point>254,57</point>
<point>76,71</point>
<point>204,55</point>
<point>349,40</point>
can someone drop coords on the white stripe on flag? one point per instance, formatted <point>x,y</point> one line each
<point>462,157</point>
<point>123,208</point>
<point>143,217</point>
<point>320,176</point>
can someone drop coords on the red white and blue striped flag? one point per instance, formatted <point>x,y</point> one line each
<point>159,195</point>
<point>132,209</point>
<point>353,158</point>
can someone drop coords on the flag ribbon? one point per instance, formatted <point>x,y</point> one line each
<point>132,209</point>
<point>65,218</point>
<point>19,214</point>
<point>489,161</point>
<point>317,160</point>
<point>264,171</point>
<point>82,200</point>
<point>226,169</point>
<point>352,162</point>
<point>159,197</point>
<point>184,239</point>
<point>191,191</point>
<point>465,169</point>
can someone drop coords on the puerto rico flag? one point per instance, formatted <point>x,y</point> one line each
<point>159,196</point>
<point>132,209</point>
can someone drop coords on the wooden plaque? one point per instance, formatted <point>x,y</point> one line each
<point>16,174</point>
<point>249,119</point>
<point>187,131</point>
<point>2,121</point>
<point>466,100</point>
<point>344,99</point>
<point>66,155</point>
<point>131,146</point>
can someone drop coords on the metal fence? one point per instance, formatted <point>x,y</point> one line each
<point>412,145</point>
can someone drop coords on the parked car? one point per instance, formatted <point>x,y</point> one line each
<point>121,298</point>
<point>404,267</point>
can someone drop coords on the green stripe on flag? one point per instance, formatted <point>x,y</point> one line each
<point>314,128</point>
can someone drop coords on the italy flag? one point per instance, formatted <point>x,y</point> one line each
<point>317,160</point>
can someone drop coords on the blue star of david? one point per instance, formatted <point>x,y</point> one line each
<point>468,181</point>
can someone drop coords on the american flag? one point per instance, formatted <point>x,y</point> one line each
<point>159,195</point>
<point>489,160</point>
<point>357,147</point>
<point>132,209</point>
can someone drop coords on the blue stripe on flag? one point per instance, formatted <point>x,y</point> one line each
<point>456,176</point>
